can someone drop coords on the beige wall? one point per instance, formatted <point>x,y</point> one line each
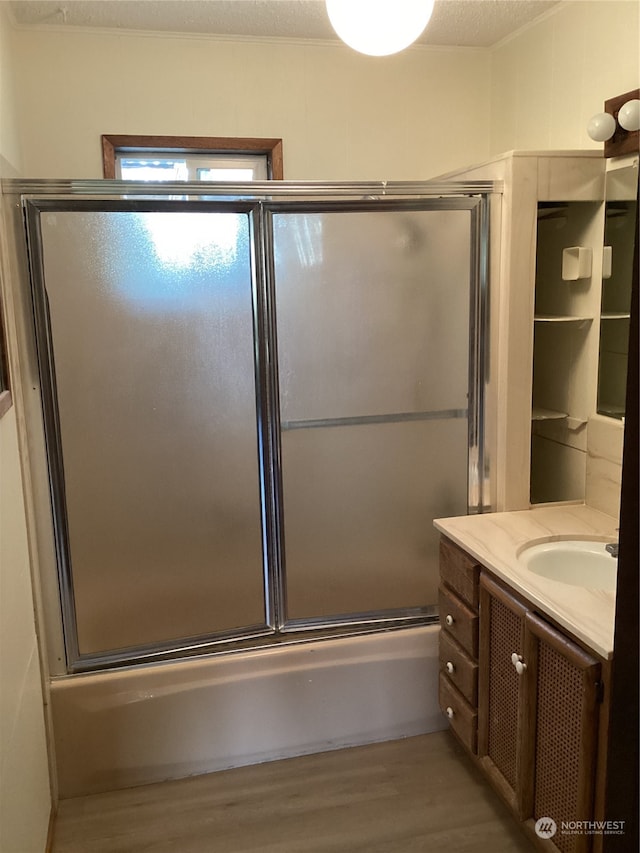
<point>549,80</point>
<point>9,139</point>
<point>343,116</point>
<point>25,799</point>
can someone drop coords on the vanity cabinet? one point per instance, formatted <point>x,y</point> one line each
<point>539,708</point>
<point>458,679</point>
<point>534,695</point>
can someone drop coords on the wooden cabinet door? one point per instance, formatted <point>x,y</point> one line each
<point>501,700</point>
<point>563,721</point>
<point>538,711</point>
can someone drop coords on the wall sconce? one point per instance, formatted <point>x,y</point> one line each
<point>379,27</point>
<point>619,125</point>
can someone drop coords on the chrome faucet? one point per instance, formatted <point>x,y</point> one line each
<point>612,548</point>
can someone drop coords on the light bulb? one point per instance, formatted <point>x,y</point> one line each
<point>379,27</point>
<point>601,127</point>
<point>629,115</point>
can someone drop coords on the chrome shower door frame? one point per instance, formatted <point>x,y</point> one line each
<point>261,202</point>
<point>478,491</point>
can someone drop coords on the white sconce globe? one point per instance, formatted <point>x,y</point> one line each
<point>601,127</point>
<point>629,115</point>
<point>379,27</point>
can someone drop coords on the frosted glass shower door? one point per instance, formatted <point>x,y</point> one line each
<point>373,328</point>
<point>156,469</point>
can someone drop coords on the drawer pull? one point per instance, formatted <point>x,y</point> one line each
<point>450,667</point>
<point>519,664</point>
<point>450,712</point>
<point>449,619</point>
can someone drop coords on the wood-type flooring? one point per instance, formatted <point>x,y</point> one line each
<point>415,795</point>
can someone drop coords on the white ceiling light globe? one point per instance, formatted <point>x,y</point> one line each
<point>629,115</point>
<point>601,127</point>
<point>379,27</point>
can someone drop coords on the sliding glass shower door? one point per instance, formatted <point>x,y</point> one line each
<point>253,409</point>
<point>373,311</point>
<point>149,316</point>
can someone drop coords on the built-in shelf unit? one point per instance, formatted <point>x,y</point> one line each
<point>546,284</point>
<point>562,231</point>
<point>566,303</point>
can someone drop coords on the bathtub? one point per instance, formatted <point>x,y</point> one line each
<point>198,715</point>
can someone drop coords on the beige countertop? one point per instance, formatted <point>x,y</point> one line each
<point>495,540</point>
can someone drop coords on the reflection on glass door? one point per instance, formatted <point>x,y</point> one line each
<point>373,320</point>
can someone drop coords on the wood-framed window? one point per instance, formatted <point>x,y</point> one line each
<point>168,149</point>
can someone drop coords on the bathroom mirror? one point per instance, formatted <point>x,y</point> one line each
<point>620,227</point>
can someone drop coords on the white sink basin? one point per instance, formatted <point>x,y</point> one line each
<point>576,562</point>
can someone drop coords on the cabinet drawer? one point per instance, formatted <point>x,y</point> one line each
<point>459,668</point>
<point>460,572</point>
<point>463,719</point>
<point>459,620</point>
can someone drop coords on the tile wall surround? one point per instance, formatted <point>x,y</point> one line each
<point>605,438</point>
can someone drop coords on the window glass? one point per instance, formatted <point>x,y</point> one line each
<point>157,166</point>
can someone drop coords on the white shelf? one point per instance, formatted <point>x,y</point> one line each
<point>611,410</point>
<point>576,263</point>
<point>540,414</point>
<point>615,316</point>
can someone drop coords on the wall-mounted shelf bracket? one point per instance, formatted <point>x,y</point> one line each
<point>576,263</point>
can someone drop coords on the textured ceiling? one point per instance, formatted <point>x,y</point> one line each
<point>467,23</point>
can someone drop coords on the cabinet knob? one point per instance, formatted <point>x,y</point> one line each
<point>449,619</point>
<point>518,663</point>
<point>450,712</point>
<point>450,667</point>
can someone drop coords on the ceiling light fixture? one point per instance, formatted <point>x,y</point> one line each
<point>379,27</point>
